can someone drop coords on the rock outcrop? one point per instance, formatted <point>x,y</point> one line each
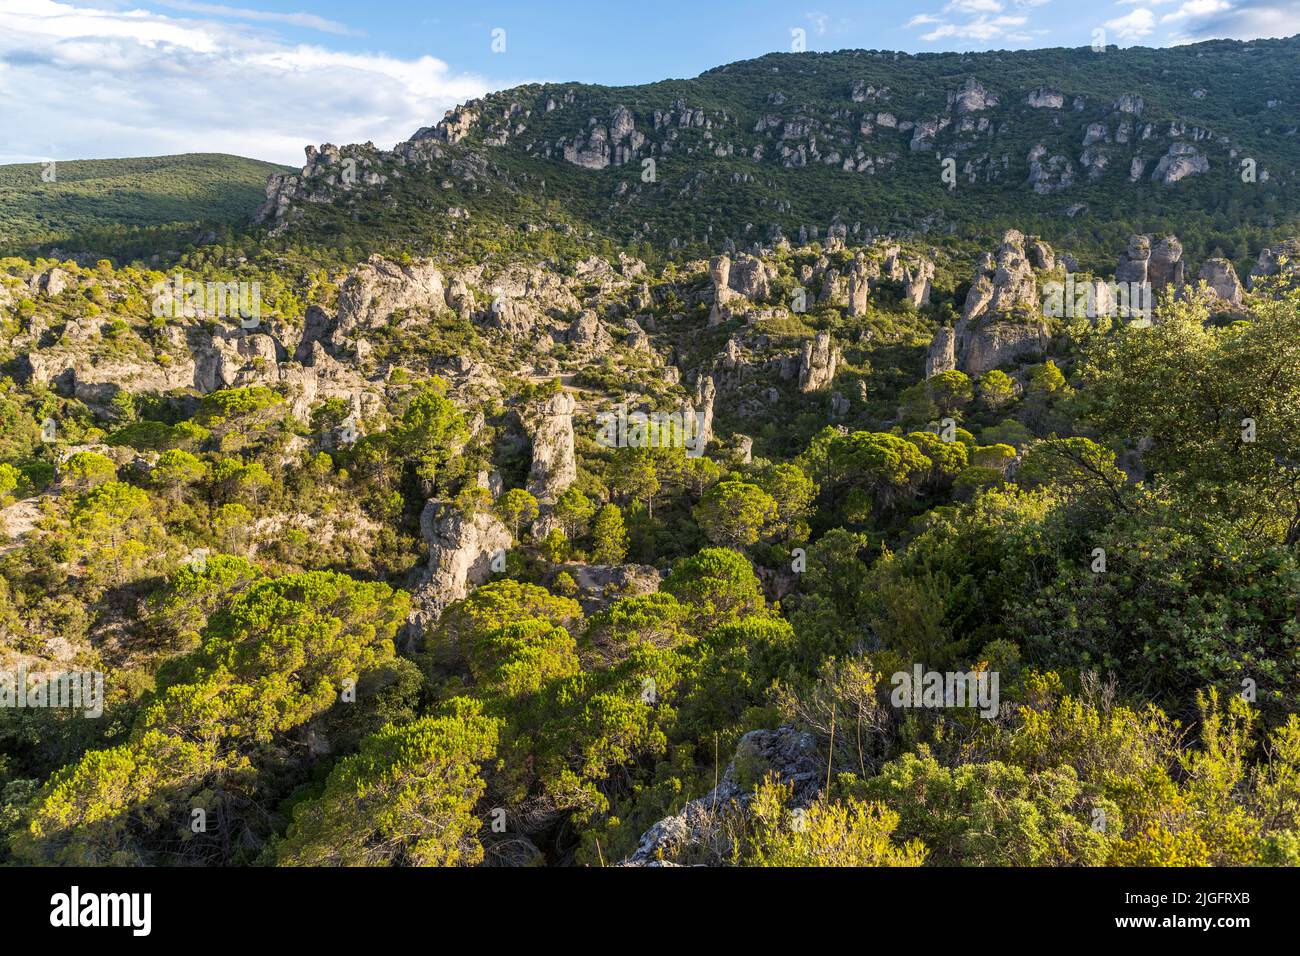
<point>461,551</point>
<point>378,288</point>
<point>720,276</point>
<point>859,286</point>
<point>1003,284</point>
<point>1049,174</point>
<point>751,277</point>
<point>972,97</point>
<point>942,354</point>
<point>685,837</point>
<point>1222,279</point>
<point>600,585</point>
<point>554,466</point>
<point>1182,160</point>
<point>1002,319</point>
<point>1280,263</point>
<point>916,283</point>
<point>517,318</point>
<point>818,363</point>
<point>51,282</point>
<point>1045,99</point>
<point>1160,263</point>
<point>587,333</point>
<point>701,409</point>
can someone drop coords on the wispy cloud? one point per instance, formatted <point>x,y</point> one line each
<point>977,21</point>
<point>1193,20</point>
<point>86,82</point>
<point>981,28</point>
<point>1238,19</point>
<point>1194,9</point>
<point>308,20</point>
<point>973,6</point>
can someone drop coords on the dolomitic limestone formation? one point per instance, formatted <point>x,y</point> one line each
<point>788,753</point>
<point>750,277</point>
<point>378,288</point>
<point>1182,160</point>
<point>916,283</point>
<point>588,333</point>
<point>972,97</point>
<point>942,355</point>
<point>1222,279</point>
<point>706,391</point>
<point>1279,263</point>
<point>1045,99</point>
<point>720,276</point>
<point>554,466</point>
<point>860,275</point>
<point>818,363</point>
<point>461,550</point>
<point>1159,263</point>
<point>1049,175</point>
<point>1002,319</point>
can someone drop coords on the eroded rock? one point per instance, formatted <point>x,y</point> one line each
<point>461,550</point>
<point>554,466</point>
<point>818,363</point>
<point>694,834</point>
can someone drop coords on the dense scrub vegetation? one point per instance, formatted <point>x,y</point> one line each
<point>242,578</point>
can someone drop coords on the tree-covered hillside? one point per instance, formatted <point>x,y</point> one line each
<point>1080,146</point>
<point>72,201</point>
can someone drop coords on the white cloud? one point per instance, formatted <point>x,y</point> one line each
<point>1241,20</point>
<point>982,29</point>
<point>984,21</point>
<point>1196,8</point>
<point>1133,26</point>
<point>82,82</point>
<point>973,6</point>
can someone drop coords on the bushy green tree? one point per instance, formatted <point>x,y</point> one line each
<point>719,583</point>
<point>407,799</point>
<point>516,508</point>
<point>735,513</point>
<point>996,389</point>
<point>609,536</point>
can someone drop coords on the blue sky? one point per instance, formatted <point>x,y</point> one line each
<point>100,78</point>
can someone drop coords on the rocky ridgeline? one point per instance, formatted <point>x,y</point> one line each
<point>1050,138</point>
